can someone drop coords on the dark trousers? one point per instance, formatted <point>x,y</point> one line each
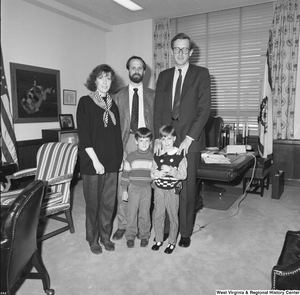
<point>100,192</point>
<point>188,196</point>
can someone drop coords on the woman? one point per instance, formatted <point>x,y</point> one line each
<point>101,152</point>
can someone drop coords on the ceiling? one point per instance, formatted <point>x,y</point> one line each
<point>109,13</point>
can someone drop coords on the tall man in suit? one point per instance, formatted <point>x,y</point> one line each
<point>124,99</point>
<point>183,99</point>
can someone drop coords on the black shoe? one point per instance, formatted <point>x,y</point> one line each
<point>170,249</point>
<point>184,242</point>
<point>108,245</point>
<point>130,243</point>
<point>118,235</point>
<point>144,242</point>
<point>95,248</point>
<point>156,246</point>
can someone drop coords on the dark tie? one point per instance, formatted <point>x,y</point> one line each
<point>176,104</point>
<point>134,112</point>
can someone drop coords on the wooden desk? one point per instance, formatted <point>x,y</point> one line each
<point>225,172</point>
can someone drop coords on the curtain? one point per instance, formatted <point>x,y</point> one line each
<point>232,44</point>
<point>284,59</point>
<point>161,46</point>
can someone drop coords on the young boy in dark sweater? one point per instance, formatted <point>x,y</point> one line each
<point>167,171</point>
<point>136,186</point>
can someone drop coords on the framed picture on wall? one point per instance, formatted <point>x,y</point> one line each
<point>69,97</point>
<point>66,121</point>
<point>35,93</point>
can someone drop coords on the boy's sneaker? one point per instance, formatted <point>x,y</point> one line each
<point>144,243</point>
<point>95,248</point>
<point>156,246</point>
<point>130,243</point>
<point>170,248</point>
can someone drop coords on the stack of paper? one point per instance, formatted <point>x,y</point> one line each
<point>211,157</point>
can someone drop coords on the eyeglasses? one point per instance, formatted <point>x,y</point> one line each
<point>184,50</point>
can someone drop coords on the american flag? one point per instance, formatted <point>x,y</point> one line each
<point>8,138</point>
<point>265,119</point>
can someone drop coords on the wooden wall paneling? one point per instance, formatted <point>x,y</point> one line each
<point>296,162</point>
<point>286,155</point>
<point>282,153</point>
<point>27,151</point>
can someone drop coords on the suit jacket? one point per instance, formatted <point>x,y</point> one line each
<point>122,100</point>
<point>194,106</point>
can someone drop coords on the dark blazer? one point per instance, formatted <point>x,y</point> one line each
<point>122,100</point>
<point>194,107</point>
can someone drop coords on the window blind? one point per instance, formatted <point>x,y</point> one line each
<point>232,44</point>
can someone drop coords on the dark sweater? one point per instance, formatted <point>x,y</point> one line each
<point>178,162</point>
<point>106,141</point>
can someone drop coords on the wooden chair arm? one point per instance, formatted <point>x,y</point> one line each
<point>18,175</point>
<point>60,179</point>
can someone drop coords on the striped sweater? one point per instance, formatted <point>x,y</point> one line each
<point>137,168</point>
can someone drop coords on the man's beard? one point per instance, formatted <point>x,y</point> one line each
<point>136,78</point>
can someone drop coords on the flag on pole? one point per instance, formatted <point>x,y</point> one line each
<point>265,119</point>
<point>8,138</point>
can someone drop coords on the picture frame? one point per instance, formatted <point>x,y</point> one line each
<point>66,121</point>
<point>69,97</point>
<point>35,93</point>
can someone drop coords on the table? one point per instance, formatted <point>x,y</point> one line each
<point>226,172</point>
<point>259,181</point>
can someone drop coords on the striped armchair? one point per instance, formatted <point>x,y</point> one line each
<point>55,165</point>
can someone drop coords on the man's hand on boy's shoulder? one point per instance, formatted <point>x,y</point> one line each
<point>185,145</point>
<point>157,147</point>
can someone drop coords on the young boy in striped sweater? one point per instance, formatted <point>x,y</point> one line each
<point>136,186</point>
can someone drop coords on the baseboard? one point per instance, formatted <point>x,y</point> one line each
<point>292,182</point>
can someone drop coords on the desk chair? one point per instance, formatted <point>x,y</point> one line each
<point>213,137</point>
<point>19,222</point>
<point>55,165</point>
<point>286,273</point>
<point>213,132</point>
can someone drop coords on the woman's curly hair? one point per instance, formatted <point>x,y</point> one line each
<point>99,70</point>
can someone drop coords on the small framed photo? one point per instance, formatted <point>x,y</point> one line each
<point>69,97</point>
<point>66,121</point>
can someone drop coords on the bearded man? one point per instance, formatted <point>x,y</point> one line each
<point>135,103</point>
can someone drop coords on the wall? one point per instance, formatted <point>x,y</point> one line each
<point>34,36</point>
<point>127,40</point>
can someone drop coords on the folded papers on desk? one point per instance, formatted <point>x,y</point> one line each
<point>211,157</point>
